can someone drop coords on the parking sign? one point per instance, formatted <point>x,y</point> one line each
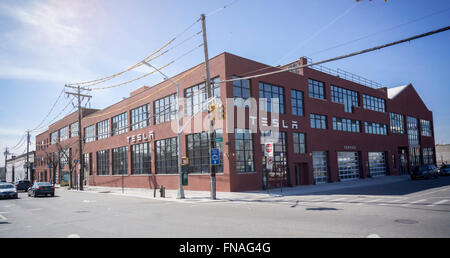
<point>215,156</point>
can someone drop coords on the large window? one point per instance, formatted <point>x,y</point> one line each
<point>166,156</point>
<point>428,156</point>
<point>89,133</point>
<point>397,123</point>
<point>241,91</point>
<point>348,165</point>
<point>299,143</point>
<point>347,97</point>
<point>120,124</point>
<point>120,161</point>
<point>64,133</point>
<point>140,117</point>
<point>198,152</point>
<point>425,128</point>
<point>54,138</point>
<point>374,103</point>
<point>141,159</point>
<point>165,109</point>
<point>195,97</point>
<point>271,98</point>
<point>297,102</point>
<point>318,121</point>
<point>413,131</point>
<point>244,151</point>
<point>320,166</point>
<point>316,89</point>
<point>346,125</point>
<point>375,128</point>
<point>103,163</point>
<point>103,129</point>
<point>88,163</point>
<point>74,130</point>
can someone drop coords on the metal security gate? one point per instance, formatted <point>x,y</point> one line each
<point>320,167</point>
<point>348,165</point>
<point>377,164</point>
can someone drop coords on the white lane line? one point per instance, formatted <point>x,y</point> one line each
<point>3,217</point>
<point>388,202</point>
<point>407,204</point>
<point>437,203</point>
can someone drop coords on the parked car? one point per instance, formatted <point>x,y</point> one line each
<point>444,170</point>
<point>41,188</point>
<point>8,190</point>
<point>425,172</point>
<point>23,185</point>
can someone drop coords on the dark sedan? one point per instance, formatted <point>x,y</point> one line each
<point>444,170</point>
<point>23,185</point>
<point>8,191</point>
<point>41,188</point>
<point>425,172</point>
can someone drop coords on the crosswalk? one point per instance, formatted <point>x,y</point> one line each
<point>373,200</point>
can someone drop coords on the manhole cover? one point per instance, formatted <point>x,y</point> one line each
<point>406,221</point>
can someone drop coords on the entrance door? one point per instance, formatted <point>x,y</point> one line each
<point>297,173</point>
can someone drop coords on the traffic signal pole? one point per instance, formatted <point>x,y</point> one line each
<point>212,168</point>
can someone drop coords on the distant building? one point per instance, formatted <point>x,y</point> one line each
<point>16,168</point>
<point>2,174</point>
<point>443,153</point>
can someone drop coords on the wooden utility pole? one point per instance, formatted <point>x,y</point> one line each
<point>212,168</point>
<point>28,155</point>
<point>80,139</point>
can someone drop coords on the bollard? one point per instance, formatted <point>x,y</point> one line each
<point>162,191</point>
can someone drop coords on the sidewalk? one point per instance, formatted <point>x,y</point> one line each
<point>259,196</point>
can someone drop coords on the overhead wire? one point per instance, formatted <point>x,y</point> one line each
<point>51,109</point>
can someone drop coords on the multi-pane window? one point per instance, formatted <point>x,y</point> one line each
<point>241,91</point>
<point>103,163</point>
<point>165,109</point>
<point>64,158</point>
<point>103,129</point>
<point>198,152</point>
<point>377,164</point>
<point>64,133</point>
<point>88,163</point>
<point>397,123</point>
<point>299,143</point>
<point>346,125</point>
<point>320,166</point>
<point>120,161</point>
<point>318,121</point>
<point>89,133</point>
<point>141,159</point>
<point>120,124</point>
<point>347,97</point>
<point>297,102</point>
<point>74,130</point>
<point>316,89</point>
<point>140,117</point>
<point>167,156</point>
<point>413,131</point>
<point>375,128</point>
<point>54,138</point>
<point>425,128</point>
<point>374,103</point>
<point>244,151</point>
<point>428,156</point>
<point>271,98</point>
<point>195,97</point>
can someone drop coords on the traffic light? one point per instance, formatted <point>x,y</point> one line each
<point>221,112</point>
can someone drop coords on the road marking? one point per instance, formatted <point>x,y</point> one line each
<point>390,202</point>
<point>373,236</point>
<point>73,236</point>
<point>3,217</point>
<point>407,204</point>
<point>437,203</point>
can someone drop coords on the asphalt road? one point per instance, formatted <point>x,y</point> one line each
<point>402,209</point>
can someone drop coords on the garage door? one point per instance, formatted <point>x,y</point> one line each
<point>320,167</point>
<point>377,164</point>
<point>348,165</point>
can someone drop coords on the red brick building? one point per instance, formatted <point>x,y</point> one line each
<point>326,126</point>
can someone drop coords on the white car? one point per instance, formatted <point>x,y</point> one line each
<point>8,190</point>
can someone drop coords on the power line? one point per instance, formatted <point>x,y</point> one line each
<point>220,9</point>
<point>343,56</point>
<point>48,114</point>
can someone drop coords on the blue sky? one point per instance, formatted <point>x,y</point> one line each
<point>47,43</point>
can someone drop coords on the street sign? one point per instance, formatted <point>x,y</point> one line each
<point>268,149</point>
<point>215,156</point>
<point>218,139</point>
<point>269,163</point>
<point>75,161</point>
